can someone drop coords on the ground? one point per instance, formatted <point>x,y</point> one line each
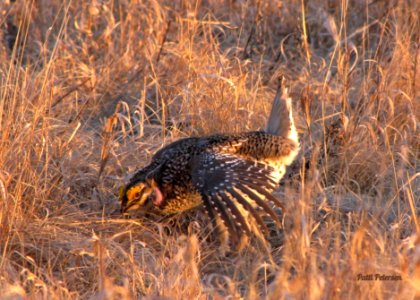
<point>89,90</point>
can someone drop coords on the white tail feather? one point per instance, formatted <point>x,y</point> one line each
<point>281,122</point>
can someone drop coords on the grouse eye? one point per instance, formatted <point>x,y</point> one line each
<point>137,195</point>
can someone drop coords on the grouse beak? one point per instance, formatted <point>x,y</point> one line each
<point>124,210</point>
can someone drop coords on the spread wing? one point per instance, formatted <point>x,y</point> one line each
<point>230,185</point>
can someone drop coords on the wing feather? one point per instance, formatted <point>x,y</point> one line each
<point>236,214</point>
<point>214,207</point>
<point>219,176</point>
<point>268,196</point>
<point>260,203</point>
<point>241,200</point>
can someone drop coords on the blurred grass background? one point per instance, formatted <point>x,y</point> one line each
<point>90,89</point>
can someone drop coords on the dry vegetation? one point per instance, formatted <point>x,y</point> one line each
<point>90,89</point>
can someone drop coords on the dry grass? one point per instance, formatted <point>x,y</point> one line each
<point>92,88</point>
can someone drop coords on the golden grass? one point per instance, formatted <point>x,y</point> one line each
<point>92,88</point>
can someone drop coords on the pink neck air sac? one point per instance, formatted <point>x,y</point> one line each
<point>158,197</point>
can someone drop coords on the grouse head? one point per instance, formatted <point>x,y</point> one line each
<point>142,195</point>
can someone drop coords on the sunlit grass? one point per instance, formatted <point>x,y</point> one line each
<point>89,90</point>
